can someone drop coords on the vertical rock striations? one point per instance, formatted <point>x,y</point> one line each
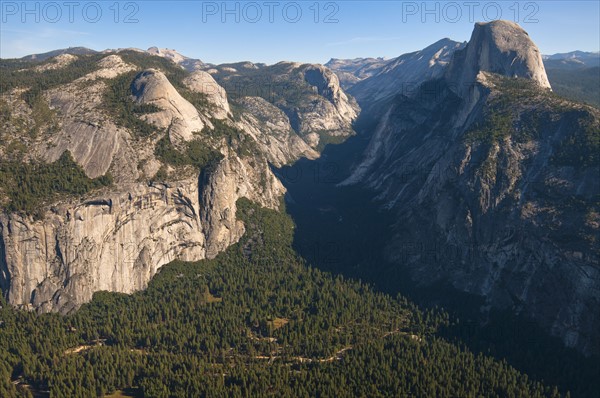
<point>160,207</point>
<point>494,180</point>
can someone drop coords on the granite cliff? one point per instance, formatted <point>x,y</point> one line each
<point>178,154</point>
<point>493,180</point>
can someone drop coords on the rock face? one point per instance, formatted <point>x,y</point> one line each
<point>118,241</point>
<point>117,238</point>
<point>202,82</point>
<point>60,61</point>
<point>489,195</point>
<point>335,114</point>
<point>151,87</point>
<point>351,71</point>
<point>500,47</point>
<point>404,74</point>
<point>114,242</point>
<point>95,140</point>
<point>232,179</point>
<point>309,95</point>
<point>272,130</point>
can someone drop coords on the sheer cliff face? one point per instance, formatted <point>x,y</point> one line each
<point>500,47</point>
<point>495,188</point>
<point>115,242</point>
<point>117,238</point>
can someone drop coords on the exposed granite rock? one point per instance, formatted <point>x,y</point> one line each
<point>173,55</point>
<point>403,75</point>
<point>310,96</point>
<point>110,67</point>
<point>272,131</point>
<point>486,197</point>
<point>117,238</point>
<point>87,131</point>
<point>58,62</point>
<point>113,242</point>
<point>501,47</point>
<point>335,114</point>
<point>202,82</point>
<point>178,116</point>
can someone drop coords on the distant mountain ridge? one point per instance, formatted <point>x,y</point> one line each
<point>54,53</point>
<point>577,54</point>
<point>572,60</point>
<point>574,75</point>
<point>353,65</point>
<point>351,71</point>
<point>404,73</point>
<point>185,62</point>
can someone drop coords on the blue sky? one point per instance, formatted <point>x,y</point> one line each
<point>270,31</point>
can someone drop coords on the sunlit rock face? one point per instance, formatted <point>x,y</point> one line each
<point>116,239</point>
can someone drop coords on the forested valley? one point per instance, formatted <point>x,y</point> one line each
<point>255,321</point>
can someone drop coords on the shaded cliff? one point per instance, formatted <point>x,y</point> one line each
<point>493,180</point>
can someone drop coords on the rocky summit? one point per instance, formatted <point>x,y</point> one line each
<point>496,180</point>
<point>500,47</point>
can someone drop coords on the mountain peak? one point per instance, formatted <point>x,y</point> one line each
<point>54,53</point>
<point>501,47</point>
<point>167,53</point>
